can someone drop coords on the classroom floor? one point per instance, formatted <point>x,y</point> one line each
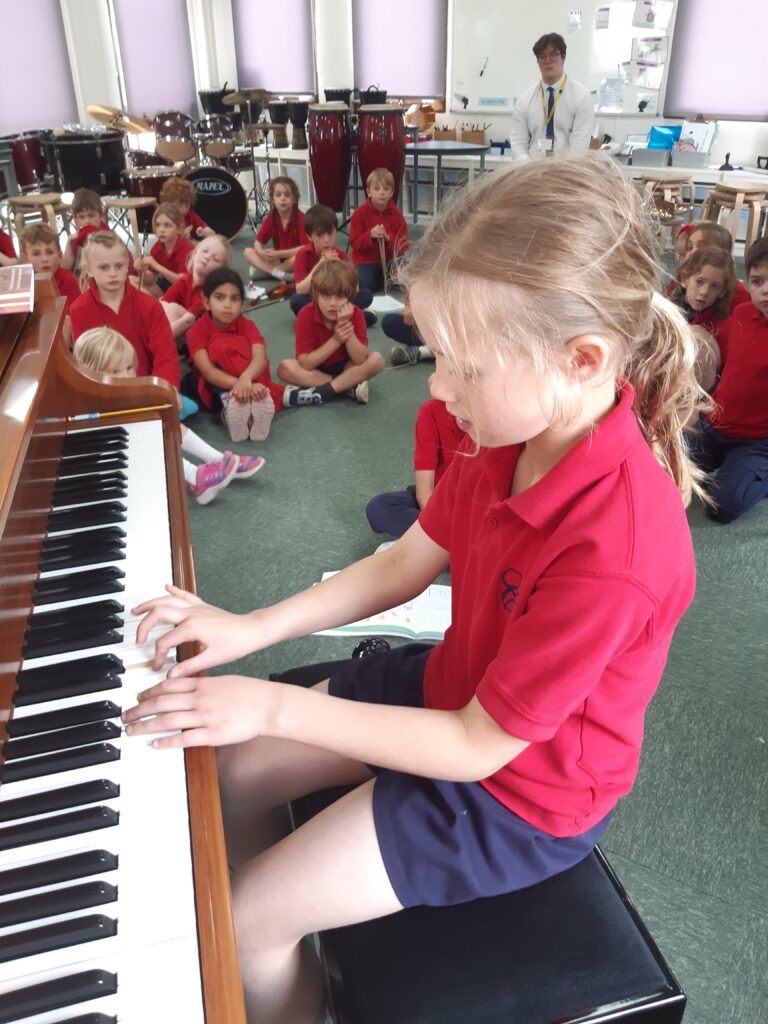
<point>690,843</point>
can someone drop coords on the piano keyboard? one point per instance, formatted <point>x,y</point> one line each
<point>97,909</point>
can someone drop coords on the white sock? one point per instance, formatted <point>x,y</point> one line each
<point>279,274</point>
<point>425,352</point>
<point>192,444</point>
<point>190,472</point>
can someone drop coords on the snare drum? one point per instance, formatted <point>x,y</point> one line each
<point>215,136</point>
<point>330,151</point>
<point>297,114</point>
<point>28,160</point>
<point>141,158</point>
<point>83,159</point>
<point>278,115</point>
<point>221,200</point>
<point>238,161</point>
<point>173,135</point>
<point>380,141</point>
<point>146,182</point>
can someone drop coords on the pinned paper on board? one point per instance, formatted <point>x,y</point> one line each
<point>574,21</point>
<point>653,14</point>
<point>602,17</point>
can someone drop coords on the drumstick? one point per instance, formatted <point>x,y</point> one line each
<point>143,263</point>
<point>383,258</point>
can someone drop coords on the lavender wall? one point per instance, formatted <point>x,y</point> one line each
<point>406,61</point>
<point>274,47</point>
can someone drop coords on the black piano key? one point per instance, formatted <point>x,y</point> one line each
<point>87,488</point>
<point>94,557</point>
<point>81,625</point>
<point>47,937</point>
<point>59,869</point>
<point>91,1018</point>
<point>87,443</point>
<point>55,902</point>
<point>100,536</point>
<point>47,996</point>
<point>68,679</point>
<point>79,436</point>
<point>76,585</point>
<point>58,799</point>
<point>45,648</point>
<point>40,830</point>
<point>63,761</point>
<point>95,611</point>
<point>60,739</point>
<point>104,491</point>
<point>65,718</point>
<point>91,515</point>
<point>82,465</point>
<point>65,688</point>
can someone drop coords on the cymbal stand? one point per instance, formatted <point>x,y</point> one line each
<point>255,193</point>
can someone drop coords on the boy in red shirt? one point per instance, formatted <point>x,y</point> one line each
<point>230,357</point>
<point>320,226</point>
<point>88,215</point>
<point>332,356</point>
<point>184,194</point>
<point>40,247</point>
<point>7,252</point>
<point>377,218</point>
<point>438,437</point>
<point>732,441</point>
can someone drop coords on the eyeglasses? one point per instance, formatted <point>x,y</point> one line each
<point>548,57</point>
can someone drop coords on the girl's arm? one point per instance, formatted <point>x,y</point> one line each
<point>425,484</point>
<point>364,588</point>
<point>258,363</point>
<point>212,373</point>
<point>311,360</point>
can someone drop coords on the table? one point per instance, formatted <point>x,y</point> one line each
<point>438,150</point>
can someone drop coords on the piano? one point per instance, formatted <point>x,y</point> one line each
<point>114,888</point>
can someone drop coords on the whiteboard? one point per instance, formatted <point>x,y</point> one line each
<point>497,37</point>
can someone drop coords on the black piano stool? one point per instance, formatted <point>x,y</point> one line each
<point>571,950</point>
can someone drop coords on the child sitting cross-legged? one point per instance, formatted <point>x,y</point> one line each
<point>168,257</point>
<point>230,360</point>
<point>332,356</point>
<point>103,350</point>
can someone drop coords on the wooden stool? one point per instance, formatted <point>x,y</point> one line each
<point>670,190</point>
<point>730,200</point>
<point>124,208</point>
<point>46,204</point>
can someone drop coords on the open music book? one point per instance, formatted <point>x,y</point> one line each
<point>426,617</point>
<point>17,288</point>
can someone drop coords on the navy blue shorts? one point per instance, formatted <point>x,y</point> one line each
<point>447,842</point>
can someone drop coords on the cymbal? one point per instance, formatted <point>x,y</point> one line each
<point>232,99</point>
<point>119,119</point>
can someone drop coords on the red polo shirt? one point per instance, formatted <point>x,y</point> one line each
<point>186,294</point>
<point>742,295</point>
<point>176,260</point>
<point>194,221</point>
<point>742,409</point>
<point>231,350</point>
<point>438,437</point>
<point>366,249</point>
<point>283,236</point>
<point>311,333</point>
<point>6,246</point>
<point>141,320</point>
<point>68,286</point>
<point>565,598</point>
<point>307,258</point>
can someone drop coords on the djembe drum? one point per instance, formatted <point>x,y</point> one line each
<point>278,115</point>
<point>380,141</point>
<point>330,151</point>
<point>298,111</point>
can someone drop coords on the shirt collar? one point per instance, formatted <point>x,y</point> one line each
<point>555,85</point>
<point>97,298</point>
<point>596,455</point>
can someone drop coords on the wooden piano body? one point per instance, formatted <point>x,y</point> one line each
<point>40,386</point>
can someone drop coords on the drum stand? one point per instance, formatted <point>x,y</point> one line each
<point>261,208</point>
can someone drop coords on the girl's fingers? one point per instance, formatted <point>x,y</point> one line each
<point>188,738</point>
<point>169,722</point>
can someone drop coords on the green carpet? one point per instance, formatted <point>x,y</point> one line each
<point>690,843</point>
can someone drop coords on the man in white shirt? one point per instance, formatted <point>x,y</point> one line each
<point>555,114</point>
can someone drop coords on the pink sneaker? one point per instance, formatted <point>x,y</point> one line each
<point>236,416</point>
<point>213,477</point>
<point>261,418</point>
<point>248,465</point>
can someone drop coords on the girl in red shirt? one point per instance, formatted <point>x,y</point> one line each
<point>169,256</point>
<point>284,227</point>
<point>7,252</point>
<point>230,356</point>
<point>184,299</point>
<point>501,752</point>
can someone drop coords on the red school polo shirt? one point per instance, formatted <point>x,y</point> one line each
<point>6,246</point>
<point>194,221</point>
<point>742,409</point>
<point>366,249</point>
<point>307,258</point>
<point>311,333</point>
<point>186,294</point>
<point>176,260</point>
<point>141,320</point>
<point>286,236</point>
<point>565,598</point>
<point>231,350</point>
<point>68,286</point>
<point>438,437</point>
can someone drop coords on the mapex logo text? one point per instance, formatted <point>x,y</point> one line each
<point>213,187</point>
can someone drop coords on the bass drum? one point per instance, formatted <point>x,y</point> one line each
<point>221,200</point>
<point>82,159</point>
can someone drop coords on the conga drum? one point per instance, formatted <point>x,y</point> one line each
<point>278,115</point>
<point>330,151</point>
<point>297,113</point>
<point>380,141</point>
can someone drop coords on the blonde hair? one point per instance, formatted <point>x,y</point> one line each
<point>380,176</point>
<point>525,260</point>
<point>222,240</point>
<point>103,350</point>
<point>106,238</point>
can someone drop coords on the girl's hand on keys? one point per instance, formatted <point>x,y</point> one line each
<point>209,712</point>
<point>222,635</point>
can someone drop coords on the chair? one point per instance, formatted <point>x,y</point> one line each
<point>671,190</point>
<point>731,201</point>
<point>123,208</point>
<point>46,205</point>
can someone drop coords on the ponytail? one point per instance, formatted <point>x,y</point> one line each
<point>667,394</point>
